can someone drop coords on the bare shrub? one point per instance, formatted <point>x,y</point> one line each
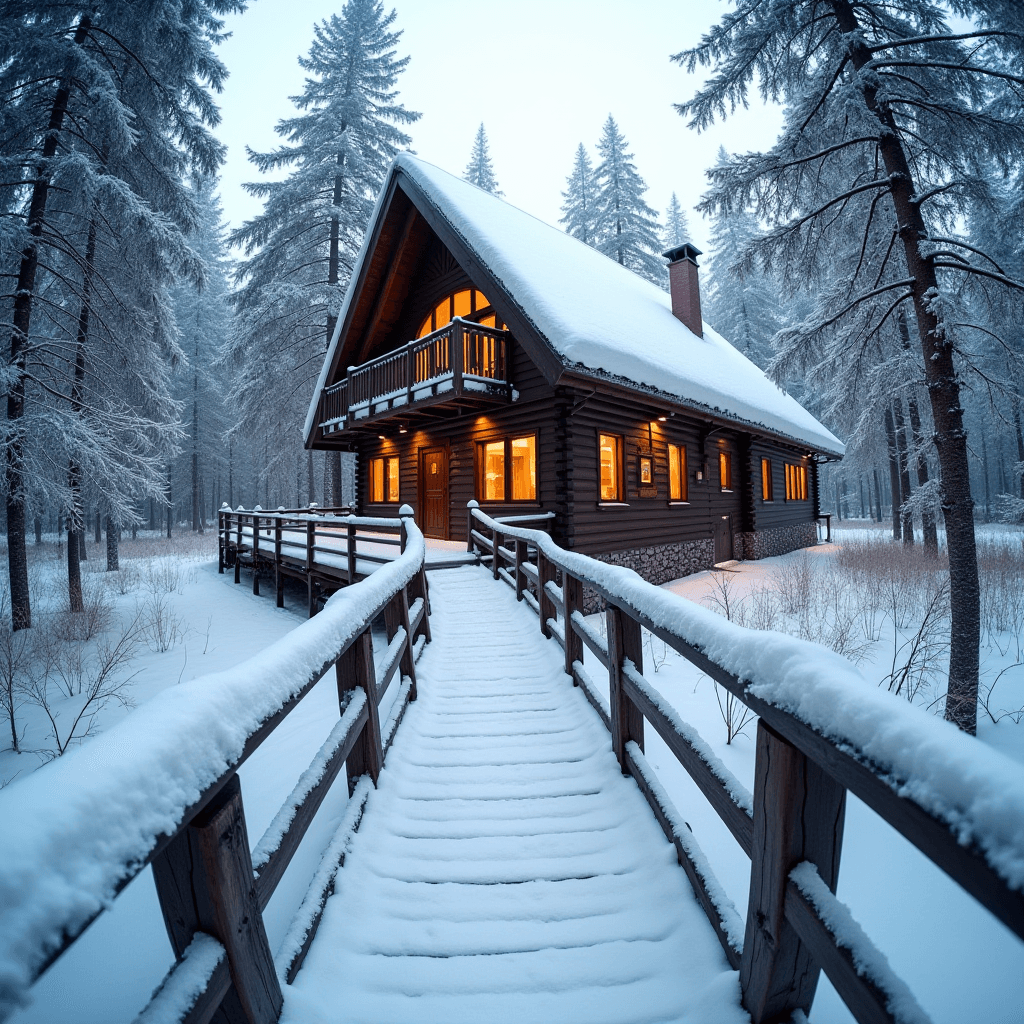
<point>163,576</point>
<point>126,580</point>
<point>722,596</point>
<point>160,626</point>
<point>16,652</point>
<point>917,653</point>
<point>94,619</point>
<point>736,715</point>
<point>793,582</point>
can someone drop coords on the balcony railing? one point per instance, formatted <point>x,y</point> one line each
<point>461,358</point>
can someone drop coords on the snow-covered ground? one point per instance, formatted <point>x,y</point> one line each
<point>960,963</point>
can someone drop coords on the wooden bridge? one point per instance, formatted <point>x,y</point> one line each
<point>504,866</point>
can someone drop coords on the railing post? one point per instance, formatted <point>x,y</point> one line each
<point>396,614</point>
<point>798,815</point>
<point>470,544</point>
<point>255,554</point>
<point>456,355</point>
<point>204,881</point>
<point>520,558</point>
<point>355,669</point>
<point>310,586</point>
<point>350,552</point>
<point>625,642</point>
<point>238,547</point>
<point>495,539</point>
<point>221,542</point>
<point>278,579</point>
<point>572,598</point>
<point>545,606</point>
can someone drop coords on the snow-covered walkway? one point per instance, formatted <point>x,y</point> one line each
<point>505,870</point>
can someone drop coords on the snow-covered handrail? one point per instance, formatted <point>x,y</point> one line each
<point>823,730</point>
<point>162,783</point>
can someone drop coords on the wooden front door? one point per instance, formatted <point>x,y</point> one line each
<point>723,540</point>
<point>434,488</point>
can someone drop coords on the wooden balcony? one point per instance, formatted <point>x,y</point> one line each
<point>463,364</point>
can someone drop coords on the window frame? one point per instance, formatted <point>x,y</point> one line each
<point>767,480</point>
<point>476,313</point>
<point>620,489</point>
<point>725,463</point>
<point>385,477</point>
<point>683,496</point>
<point>481,468</point>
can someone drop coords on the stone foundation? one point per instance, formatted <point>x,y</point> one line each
<point>657,564</point>
<point>779,541</point>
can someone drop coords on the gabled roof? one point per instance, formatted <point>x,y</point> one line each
<point>597,317</point>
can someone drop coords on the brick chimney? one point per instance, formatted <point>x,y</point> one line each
<point>684,285</point>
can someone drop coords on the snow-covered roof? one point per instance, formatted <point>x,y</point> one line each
<point>602,318</point>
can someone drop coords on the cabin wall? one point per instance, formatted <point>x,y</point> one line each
<point>780,526</point>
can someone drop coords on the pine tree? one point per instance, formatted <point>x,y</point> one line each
<point>579,200</point>
<point>303,245</point>
<point>626,227</point>
<point>893,125</point>
<point>741,302</point>
<point>677,225</point>
<point>102,113</point>
<point>479,170</point>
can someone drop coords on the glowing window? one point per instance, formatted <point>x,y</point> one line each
<point>766,480</point>
<point>676,472</point>
<point>467,302</point>
<point>725,470</point>
<point>611,466</point>
<point>384,475</point>
<point>494,471</point>
<point>796,483</point>
<point>524,468</point>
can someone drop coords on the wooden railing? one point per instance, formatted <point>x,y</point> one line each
<point>321,547</point>
<point>791,826</point>
<point>211,890</point>
<point>458,351</point>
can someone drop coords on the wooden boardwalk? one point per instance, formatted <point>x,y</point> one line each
<point>505,870</point>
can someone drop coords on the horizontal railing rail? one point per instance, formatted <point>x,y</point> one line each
<point>162,788</point>
<point>460,350</point>
<point>822,732</point>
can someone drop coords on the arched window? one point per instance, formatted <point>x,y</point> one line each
<point>469,303</point>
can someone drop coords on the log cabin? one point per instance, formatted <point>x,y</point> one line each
<point>483,354</point>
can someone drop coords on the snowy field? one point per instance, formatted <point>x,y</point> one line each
<point>860,596</point>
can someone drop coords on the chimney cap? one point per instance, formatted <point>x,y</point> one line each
<point>682,252</point>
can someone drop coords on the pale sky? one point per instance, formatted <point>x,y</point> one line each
<point>542,75</point>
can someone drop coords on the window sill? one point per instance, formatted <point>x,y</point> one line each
<point>613,504</point>
<point>727,490</point>
<point>767,501</point>
<point>679,503</point>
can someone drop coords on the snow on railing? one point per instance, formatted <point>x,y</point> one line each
<point>823,730</point>
<point>80,828</point>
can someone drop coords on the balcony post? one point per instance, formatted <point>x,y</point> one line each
<point>456,355</point>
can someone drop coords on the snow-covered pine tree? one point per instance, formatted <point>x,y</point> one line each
<point>677,225</point>
<point>301,248</point>
<point>626,227</point>
<point>579,200</point>
<point>480,170</point>
<point>893,125</point>
<point>103,111</point>
<point>204,324</point>
<point>741,301</point>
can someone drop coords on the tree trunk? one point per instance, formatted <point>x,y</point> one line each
<point>904,463</point>
<point>170,502</point>
<point>860,487</point>
<point>929,530</point>
<point>99,523</point>
<point>75,600</point>
<point>335,460</point>
<point>37,524</point>
<point>943,391</point>
<point>894,474</point>
<point>984,469</point>
<point>1020,445</point>
<point>24,290</point>
<point>113,539</point>
<point>878,495</point>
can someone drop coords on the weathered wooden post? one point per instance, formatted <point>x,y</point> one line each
<point>520,558</point>
<point>238,546</point>
<point>255,554</point>
<point>470,543</point>
<point>457,335</point>
<point>572,597</point>
<point>204,881</point>
<point>278,578</point>
<point>350,551</point>
<point>799,812</point>
<point>221,541</point>
<point>495,540</point>
<point>310,544</point>
<point>545,606</point>
<point>625,643</point>
<point>354,669</point>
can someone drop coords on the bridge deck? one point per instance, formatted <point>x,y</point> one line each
<point>505,870</point>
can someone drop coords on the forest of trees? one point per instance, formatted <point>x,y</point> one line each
<point>870,260</point>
